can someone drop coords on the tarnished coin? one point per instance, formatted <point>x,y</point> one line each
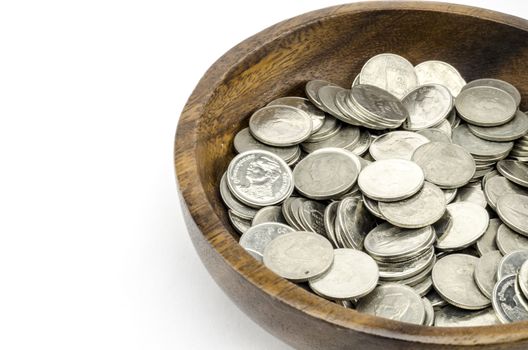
<point>269,214</point>
<point>259,178</point>
<point>379,103</point>
<point>510,131</point>
<point>428,105</point>
<point>280,125</point>
<point>514,171</point>
<point>451,316</point>
<point>444,164</point>
<point>389,72</point>
<point>305,105</point>
<point>470,221</point>
<point>396,145</point>
<point>440,73</point>
<point>506,302</point>
<point>477,146</point>
<point>299,256</point>
<point>244,141</point>
<point>429,312</point>
<point>391,179</point>
<point>523,279</point>
<point>353,274</point>
<point>347,137</point>
<point>422,209</point>
<point>453,280</point>
<point>497,83</point>
<point>257,238</point>
<point>436,135</point>
<point>513,211</point>
<point>498,186</point>
<point>312,89</point>
<point>486,243</point>
<point>394,301</point>
<point>485,106</point>
<point>239,209</point>
<point>509,241</point>
<point>511,263</point>
<point>472,193</point>
<point>241,225</point>
<point>354,222</point>
<point>486,272</point>
<point>326,173</point>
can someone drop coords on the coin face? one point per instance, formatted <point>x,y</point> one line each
<point>477,146</point>
<point>510,131</point>
<point>256,238</point>
<point>486,272</point>
<point>280,125</point>
<point>486,243</point>
<point>394,301</point>
<point>380,103</point>
<point>305,105</point>
<point>470,221</point>
<point>269,214</point>
<point>326,173</point>
<point>514,171</point>
<point>436,135</point>
<point>509,241</point>
<point>391,179</point>
<point>259,178</point>
<point>513,211</point>
<point>427,105</point>
<point>506,302</point>
<point>353,274</point>
<point>389,72</point>
<point>442,73</point>
<point>312,89</point>
<point>347,137</point>
<point>497,83</point>
<point>396,145</point>
<point>453,280</point>
<point>239,209</point>
<point>485,106</point>
<point>472,193</point>
<point>511,263</point>
<point>299,256</point>
<point>498,186</point>
<point>422,209</point>
<point>451,316</point>
<point>444,164</point>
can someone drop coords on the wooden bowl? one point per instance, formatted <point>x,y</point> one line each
<point>329,44</point>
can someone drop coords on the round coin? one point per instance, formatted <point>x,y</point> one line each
<point>513,211</point>
<point>244,141</point>
<point>485,106</point>
<point>436,135</point>
<point>347,137</point>
<point>427,105</point>
<point>269,214</point>
<point>477,146</point>
<point>510,131</point>
<point>396,145</point>
<point>450,316</point>
<point>511,263</point>
<point>514,171</point>
<point>256,238</point>
<point>312,89</point>
<point>440,73</point>
<point>239,209</point>
<point>379,103</point>
<point>472,193</point>
<point>487,243</point>
<point>506,302</point>
<point>486,272</point>
<point>241,225</point>
<point>509,241</point>
<point>498,186</point>
<point>305,105</point>
<point>327,96</point>
<point>497,83</point>
<point>299,256</point>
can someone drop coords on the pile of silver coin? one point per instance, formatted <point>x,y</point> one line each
<point>404,197</point>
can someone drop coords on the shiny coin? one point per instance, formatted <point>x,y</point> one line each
<point>450,194</point>
<point>305,105</point>
<point>511,263</point>
<point>445,165</point>
<point>513,211</point>
<point>394,301</point>
<point>299,256</point>
<point>472,193</point>
<point>391,179</point>
<point>257,238</point>
<point>440,73</point>
<point>379,104</point>
<point>280,125</point>
<point>326,173</point>
<point>312,217</point>
<point>486,272</point>
<point>396,145</point>
<point>239,209</point>
<point>428,105</point>
<point>506,302</point>
<point>240,225</point>
<point>444,126</point>
<point>498,186</point>
<point>330,127</point>
<point>453,280</point>
<point>423,287</point>
<point>244,141</point>
<point>363,144</point>
<point>290,209</point>
<point>485,106</point>
<point>327,95</point>
<point>451,316</point>
<point>435,299</point>
<point>509,241</point>
<point>353,274</point>
<point>470,221</point>
<point>421,277</point>
<point>373,207</point>
<point>510,131</point>
<point>486,243</point>
<point>259,178</point>
<point>523,279</point>
<point>269,214</point>
<point>329,218</point>
<point>312,89</point>
<point>479,147</point>
<point>500,84</point>
<point>394,271</point>
<point>429,312</point>
<point>347,137</point>
<point>514,171</point>
<point>390,72</point>
<point>354,222</point>
<point>436,135</point>
<point>422,209</point>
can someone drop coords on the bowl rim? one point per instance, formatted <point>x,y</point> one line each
<point>214,232</point>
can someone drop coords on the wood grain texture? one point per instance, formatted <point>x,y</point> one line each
<point>330,44</point>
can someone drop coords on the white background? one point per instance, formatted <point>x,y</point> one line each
<point>93,250</point>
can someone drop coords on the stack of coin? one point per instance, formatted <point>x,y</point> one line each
<point>405,196</point>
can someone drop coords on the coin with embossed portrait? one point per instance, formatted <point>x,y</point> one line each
<point>506,302</point>
<point>496,83</point>
<point>427,105</point>
<point>485,106</point>
<point>511,263</point>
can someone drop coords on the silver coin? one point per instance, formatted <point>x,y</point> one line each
<point>523,279</point>
<point>379,103</point>
<point>305,105</point>
<point>498,186</point>
<point>422,209</point>
<point>259,178</point>
<point>244,141</point>
<point>239,209</point>
<point>510,131</point>
<point>514,171</point>
<point>331,126</point>
<point>444,164</point>
<point>486,272</point>
<point>436,135</point>
<point>470,221</point>
<point>443,225</point>
<point>451,316</point>
<point>312,217</point>
<point>257,238</point>
<point>472,193</point>
<point>312,88</point>
<point>520,294</point>
<point>280,125</point>
<point>486,243</point>
<point>372,206</point>
<point>477,146</point>
<point>511,263</point>
<point>396,145</point>
<point>500,84</point>
<point>290,209</point>
<point>363,144</point>
<point>416,280</point>
<point>513,211</point>
<point>453,280</point>
<point>347,137</point>
<point>329,218</point>
<point>391,179</point>
<point>394,301</point>
<point>389,72</point>
<point>509,241</point>
<point>241,225</point>
<point>423,287</point>
<point>444,126</point>
<point>353,274</point>
<point>429,313</point>
<point>354,222</point>
<point>327,96</point>
<point>436,300</point>
<point>440,73</point>
<point>394,271</point>
<point>489,175</point>
<point>485,106</point>
<point>506,302</point>
<point>427,105</point>
<point>450,194</point>
<point>269,214</point>
<point>326,173</point>
<point>299,256</point>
